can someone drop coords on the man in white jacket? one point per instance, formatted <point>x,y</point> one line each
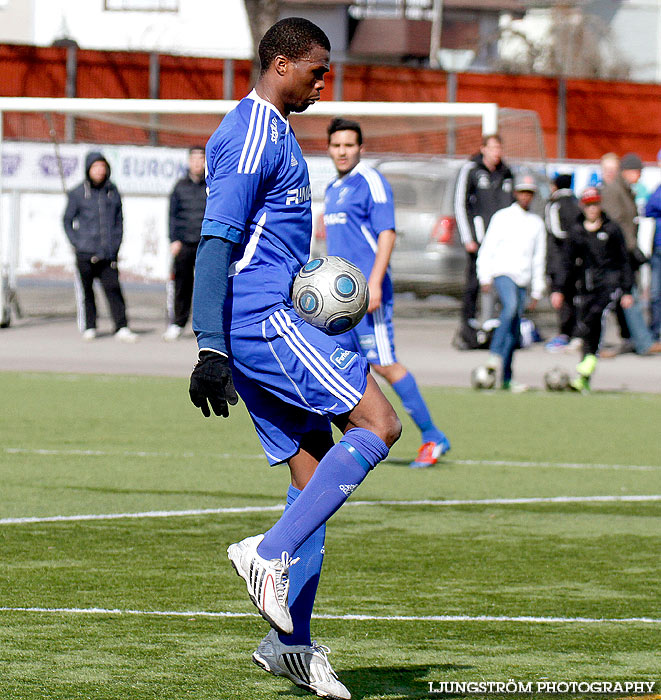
<point>512,258</point>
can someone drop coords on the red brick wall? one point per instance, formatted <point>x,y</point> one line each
<point>601,115</point>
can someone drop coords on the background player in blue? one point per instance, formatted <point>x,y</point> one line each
<point>293,378</point>
<point>360,226</point>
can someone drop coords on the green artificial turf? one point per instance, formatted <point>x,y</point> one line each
<point>90,445</point>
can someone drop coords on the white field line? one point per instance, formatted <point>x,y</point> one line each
<point>275,508</point>
<point>360,618</point>
<point>228,455</point>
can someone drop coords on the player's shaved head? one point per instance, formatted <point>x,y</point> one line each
<point>293,38</point>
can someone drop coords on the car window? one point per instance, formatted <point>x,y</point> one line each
<point>420,193</point>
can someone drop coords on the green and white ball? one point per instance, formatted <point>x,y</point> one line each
<point>331,294</point>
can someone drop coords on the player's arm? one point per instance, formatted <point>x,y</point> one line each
<point>486,252</point>
<point>382,219</point>
<point>175,243</point>
<point>538,266</point>
<point>233,189</point>
<point>70,215</point>
<point>462,208</point>
<point>211,380</point>
<point>384,247</point>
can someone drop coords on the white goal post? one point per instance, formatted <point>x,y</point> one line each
<point>43,142</point>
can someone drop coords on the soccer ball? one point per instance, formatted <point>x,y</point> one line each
<point>331,294</point>
<point>483,378</point>
<point>556,379</point>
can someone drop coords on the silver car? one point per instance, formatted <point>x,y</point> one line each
<point>429,257</point>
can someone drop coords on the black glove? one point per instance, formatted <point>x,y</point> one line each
<point>212,379</point>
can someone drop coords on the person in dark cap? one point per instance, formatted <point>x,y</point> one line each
<point>619,203</point>
<point>560,214</point>
<point>94,224</point>
<point>597,255</point>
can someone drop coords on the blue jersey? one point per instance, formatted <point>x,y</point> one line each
<point>258,183</point>
<point>359,206</point>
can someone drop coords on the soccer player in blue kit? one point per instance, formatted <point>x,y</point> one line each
<point>360,226</point>
<point>294,379</point>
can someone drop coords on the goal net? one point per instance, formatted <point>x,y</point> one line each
<point>44,141</point>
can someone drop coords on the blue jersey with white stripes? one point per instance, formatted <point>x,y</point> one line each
<point>258,183</point>
<point>359,206</point>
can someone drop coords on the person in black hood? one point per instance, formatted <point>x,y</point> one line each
<point>484,186</point>
<point>94,225</point>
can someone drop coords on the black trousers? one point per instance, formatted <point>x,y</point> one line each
<point>471,289</point>
<point>183,270</point>
<point>591,317</point>
<point>89,269</point>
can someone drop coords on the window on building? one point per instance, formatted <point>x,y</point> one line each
<point>410,9</point>
<point>141,5</point>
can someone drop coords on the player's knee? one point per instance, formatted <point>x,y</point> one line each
<point>390,428</point>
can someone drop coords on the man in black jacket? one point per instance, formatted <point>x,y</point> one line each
<point>187,203</point>
<point>596,252</point>
<point>94,224</point>
<point>560,214</point>
<point>484,186</point>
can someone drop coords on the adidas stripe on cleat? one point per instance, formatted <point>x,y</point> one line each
<point>267,581</point>
<point>305,666</point>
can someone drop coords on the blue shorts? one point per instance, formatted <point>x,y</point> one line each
<point>373,337</point>
<point>293,378</point>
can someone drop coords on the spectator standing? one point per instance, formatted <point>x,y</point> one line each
<point>610,168</point>
<point>560,214</point>
<point>360,226</point>
<point>653,209</point>
<point>511,258</point>
<point>619,204</point>
<point>595,252</point>
<point>187,203</point>
<point>94,224</point>
<point>484,186</point>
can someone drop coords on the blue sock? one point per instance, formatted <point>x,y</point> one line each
<point>303,581</point>
<point>415,406</point>
<point>338,474</point>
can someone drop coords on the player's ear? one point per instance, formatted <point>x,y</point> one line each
<point>281,64</point>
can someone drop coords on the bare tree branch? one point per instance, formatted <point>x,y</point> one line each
<point>262,14</point>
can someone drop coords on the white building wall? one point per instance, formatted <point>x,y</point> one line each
<point>217,28</point>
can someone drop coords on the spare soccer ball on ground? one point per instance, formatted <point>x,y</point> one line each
<point>331,294</point>
<point>483,377</point>
<point>556,379</point>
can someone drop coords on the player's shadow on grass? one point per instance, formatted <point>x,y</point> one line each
<point>403,683</point>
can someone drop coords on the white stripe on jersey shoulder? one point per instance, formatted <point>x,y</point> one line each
<point>260,100</point>
<point>373,179</point>
<point>256,136</point>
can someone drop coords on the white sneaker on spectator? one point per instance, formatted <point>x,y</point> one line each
<point>173,332</point>
<point>126,335</point>
<point>89,334</point>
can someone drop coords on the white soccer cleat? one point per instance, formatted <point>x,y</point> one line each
<point>267,581</point>
<point>126,335</point>
<point>89,334</point>
<point>173,332</point>
<point>305,666</point>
